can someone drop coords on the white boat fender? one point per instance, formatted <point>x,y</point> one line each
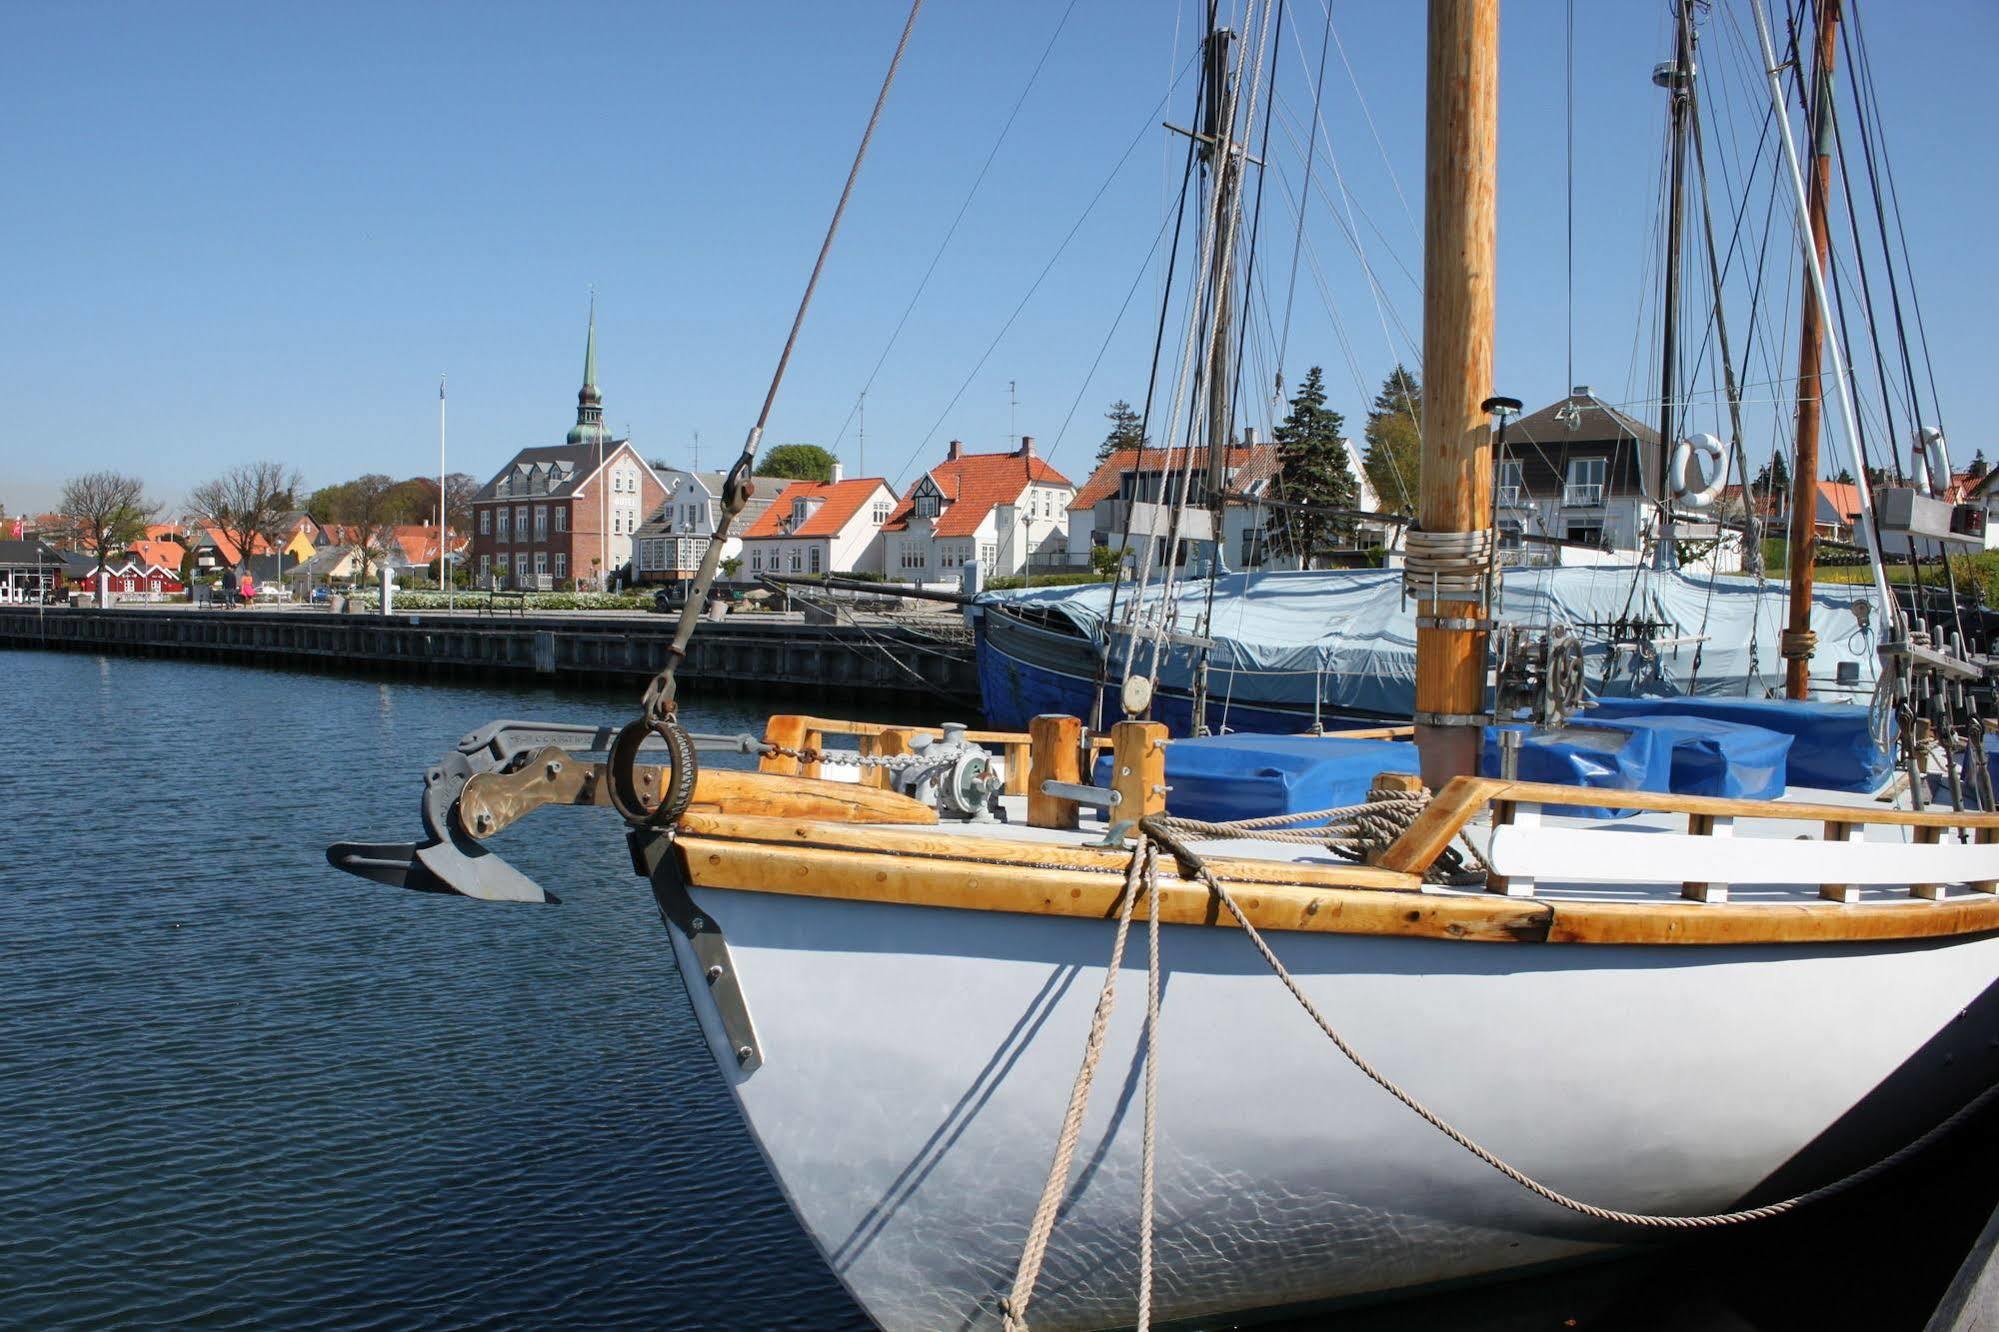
<point>1932,461</point>
<point>1715,471</point>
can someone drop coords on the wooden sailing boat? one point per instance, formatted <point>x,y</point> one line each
<point>1675,1005</point>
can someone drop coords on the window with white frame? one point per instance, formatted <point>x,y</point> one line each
<point>912,555</point>
<point>881,512</point>
<point>927,505</point>
<point>757,560</point>
<point>794,559</point>
<point>1586,478</point>
<point>814,562</point>
<point>520,569</point>
<point>1509,482</point>
<point>521,520</point>
<point>501,534</point>
<point>561,564</point>
<point>541,522</point>
<point>485,522</point>
<point>988,554</point>
<point>540,562</point>
<point>562,517</point>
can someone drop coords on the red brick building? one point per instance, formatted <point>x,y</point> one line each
<point>565,513</point>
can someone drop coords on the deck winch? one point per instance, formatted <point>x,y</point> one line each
<point>953,775</point>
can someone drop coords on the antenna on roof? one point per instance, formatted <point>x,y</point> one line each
<point>696,466</point>
<point>861,450</point>
<point>1012,411</point>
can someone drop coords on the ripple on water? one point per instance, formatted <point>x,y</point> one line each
<point>242,1089</point>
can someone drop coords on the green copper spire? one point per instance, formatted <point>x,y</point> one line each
<point>589,427</point>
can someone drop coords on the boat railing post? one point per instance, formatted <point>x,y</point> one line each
<point>1055,749</point>
<point>1138,769</point>
<point>788,731</point>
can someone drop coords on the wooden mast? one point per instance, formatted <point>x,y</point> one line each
<point>1460,171</point>
<point>1798,640</point>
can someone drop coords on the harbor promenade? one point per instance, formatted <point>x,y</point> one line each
<point>902,658</point>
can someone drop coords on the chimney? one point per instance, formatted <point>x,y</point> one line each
<point>838,473</point>
<point>956,451</point>
<point>1027,446</point>
<point>1249,437</point>
<point>1581,391</point>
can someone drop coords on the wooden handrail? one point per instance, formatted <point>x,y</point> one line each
<point>1463,798</point>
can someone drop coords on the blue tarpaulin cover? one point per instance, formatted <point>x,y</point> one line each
<point>1715,758</point>
<point>1221,778</point>
<point>1831,745</point>
<point>1613,757</point>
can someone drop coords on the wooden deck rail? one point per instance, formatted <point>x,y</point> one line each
<point>1519,806</point>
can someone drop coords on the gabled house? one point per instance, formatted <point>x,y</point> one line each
<point>1101,512</point>
<point>1008,511</point>
<point>567,511</point>
<point>30,569</point>
<point>818,527</point>
<point>1576,470</point>
<point>673,539</point>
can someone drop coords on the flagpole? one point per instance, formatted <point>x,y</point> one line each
<point>443,552</point>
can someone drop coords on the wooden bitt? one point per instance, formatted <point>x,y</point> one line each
<point>815,740</point>
<point>1838,830</point>
<point>1387,784</point>
<point>789,731</point>
<point>1057,750</point>
<point>1986,837</point>
<point>1138,769</point>
<point>1932,892</point>
<point>890,743</point>
<point>1708,825</point>
<point>1018,765</point>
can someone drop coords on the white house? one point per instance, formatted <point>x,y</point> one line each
<point>1100,514</point>
<point>1008,511</point>
<point>819,527</point>
<point>670,545</point>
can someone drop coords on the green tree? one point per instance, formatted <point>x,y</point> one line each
<point>799,462</point>
<point>1312,469</point>
<point>1104,560</point>
<point>1979,467</point>
<point>1394,435</point>
<point>1127,430</point>
<point>1773,480</point>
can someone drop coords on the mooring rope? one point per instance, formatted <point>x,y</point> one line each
<point>1188,857</point>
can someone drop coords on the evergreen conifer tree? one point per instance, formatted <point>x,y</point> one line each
<point>1127,430</point>
<point>1312,469</point>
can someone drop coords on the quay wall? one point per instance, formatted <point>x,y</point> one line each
<point>739,655</point>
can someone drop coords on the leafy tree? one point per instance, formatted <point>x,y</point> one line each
<point>1104,560</point>
<point>1312,469</point>
<point>104,512</point>
<point>368,504</point>
<point>1845,477</point>
<point>246,502</point>
<point>1127,430</point>
<point>1394,436</point>
<point>799,462</point>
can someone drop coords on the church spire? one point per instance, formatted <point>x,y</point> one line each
<point>589,427</point>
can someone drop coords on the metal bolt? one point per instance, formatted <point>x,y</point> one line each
<point>744,1054</point>
<point>714,974</point>
<point>484,822</point>
<point>554,767</point>
<point>699,923</point>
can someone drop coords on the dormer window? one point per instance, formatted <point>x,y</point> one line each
<point>800,511</point>
<point>927,505</point>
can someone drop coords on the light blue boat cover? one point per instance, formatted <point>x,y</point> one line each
<point>1832,746</point>
<point>1348,637</point>
<point>1221,778</point>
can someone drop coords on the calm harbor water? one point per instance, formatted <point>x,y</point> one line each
<point>238,1088</point>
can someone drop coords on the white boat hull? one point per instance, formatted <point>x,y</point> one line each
<point>916,1061</point>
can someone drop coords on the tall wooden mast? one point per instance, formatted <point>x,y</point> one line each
<point>1798,639</point>
<point>1460,172</point>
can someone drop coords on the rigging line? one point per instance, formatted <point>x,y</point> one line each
<point>1151,386</point>
<point>1143,268</point>
<point>963,208</point>
<point>1347,224</point>
<point>1367,114</point>
<point>1035,286</point>
<point>1895,199</point>
<point>1298,239</point>
<point>1569,112</point>
<point>1249,256</point>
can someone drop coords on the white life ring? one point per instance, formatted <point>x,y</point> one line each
<point>1715,472</point>
<point>1932,462</point>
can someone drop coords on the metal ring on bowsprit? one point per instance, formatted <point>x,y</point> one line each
<point>621,766</point>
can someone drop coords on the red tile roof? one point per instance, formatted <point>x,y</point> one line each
<point>151,550</point>
<point>227,548</point>
<point>1247,464</point>
<point>1843,496</point>
<point>974,484</point>
<point>839,502</point>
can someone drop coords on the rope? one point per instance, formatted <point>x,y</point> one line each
<point>1446,566</point>
<point>1014,1308</point>
<point>1149,1153</point>
<point>1156,828</point>
<point>659,695</point>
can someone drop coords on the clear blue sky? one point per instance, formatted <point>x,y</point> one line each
<point>242,231</point>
